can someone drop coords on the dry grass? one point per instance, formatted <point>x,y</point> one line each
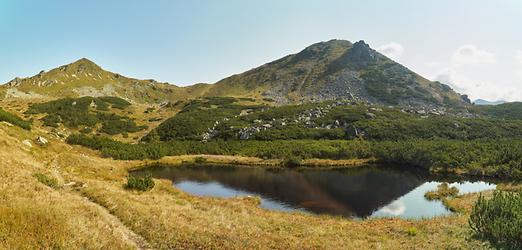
<point>35,216</point>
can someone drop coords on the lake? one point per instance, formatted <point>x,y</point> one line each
<point>357,192</point>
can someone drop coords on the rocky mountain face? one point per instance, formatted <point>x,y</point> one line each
<point>338,69</point>
<point>85,78</point>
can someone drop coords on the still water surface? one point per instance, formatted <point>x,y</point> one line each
<point>360,193</point>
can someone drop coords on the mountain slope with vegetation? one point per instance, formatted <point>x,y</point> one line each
<point>508,111</point>
<point>338,69</point>
<point>87,114</point>
<point>225,119</point>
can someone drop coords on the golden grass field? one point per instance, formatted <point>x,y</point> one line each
<point>90,209</point>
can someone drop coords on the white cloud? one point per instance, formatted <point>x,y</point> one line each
<point>392,50</point>
<point>469,71</point>
<point>396,208</point>
<point>464,84</point>
<point>471,54</point>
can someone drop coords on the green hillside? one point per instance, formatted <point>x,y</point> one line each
<point>225,119</point>
<point>87,115</point>
<point>510,111</point>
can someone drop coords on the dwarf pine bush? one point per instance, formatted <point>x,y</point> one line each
<point>143,183</point>
<point>499,219</point>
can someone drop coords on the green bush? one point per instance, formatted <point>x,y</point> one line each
<point>141,183</point>
<point>200,160</point>
<point>292,162</point>
<point>14,119</point>
<point>75,112</point>
<point>390,124</point>
<point>495,158</point>
<point>499,219</point>
<point>46,180</point>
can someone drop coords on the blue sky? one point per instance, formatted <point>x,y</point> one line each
<point>475,45</point>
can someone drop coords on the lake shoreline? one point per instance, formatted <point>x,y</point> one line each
<point>390,191</point>
<point>243,161</point>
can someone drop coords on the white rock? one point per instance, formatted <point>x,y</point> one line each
<point>41,141</point>
<point>27,143</point>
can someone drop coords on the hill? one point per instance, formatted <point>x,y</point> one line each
<point>486,102</point>
<point>85,78</point>
<point>338,69</point>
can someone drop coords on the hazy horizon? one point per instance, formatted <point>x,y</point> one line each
<point>471,45</point>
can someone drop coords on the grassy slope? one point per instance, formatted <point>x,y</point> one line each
<point>35,216</point>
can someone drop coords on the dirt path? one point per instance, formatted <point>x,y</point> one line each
<point>118,227</point>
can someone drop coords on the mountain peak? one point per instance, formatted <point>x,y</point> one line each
<point>361,43</point>
<point>83,60</point>
<point>338,69</point>
<point>82,65</point>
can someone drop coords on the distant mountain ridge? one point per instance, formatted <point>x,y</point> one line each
<point>485,102</point>
<point>85,78</point>
<point>336,69</point>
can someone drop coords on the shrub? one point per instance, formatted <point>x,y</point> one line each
<point>141,183</point>
<point>200,160</point>
<point>74,112</point>
<point>14,119</point>
<point>412,231</point>
<point>499,219</point>
<point>292,161</point>
<point>46,180</point>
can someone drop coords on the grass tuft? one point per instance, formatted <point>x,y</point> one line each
<point>46,180</point>
<point>443,191</point>
<point>144,183</point>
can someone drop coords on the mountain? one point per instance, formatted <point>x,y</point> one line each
<point>338,69</point>
<point>85,78</point>
<point>485,102</point>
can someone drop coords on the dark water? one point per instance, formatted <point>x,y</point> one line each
<point>362,193</point>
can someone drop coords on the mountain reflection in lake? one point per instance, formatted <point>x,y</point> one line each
<point>363,192</point>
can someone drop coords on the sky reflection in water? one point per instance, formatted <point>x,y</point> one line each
<point>366,192</point>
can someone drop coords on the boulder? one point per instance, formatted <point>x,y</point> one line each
<point>27,143</point>
<point>41,141</point>
<point>370,115</point>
